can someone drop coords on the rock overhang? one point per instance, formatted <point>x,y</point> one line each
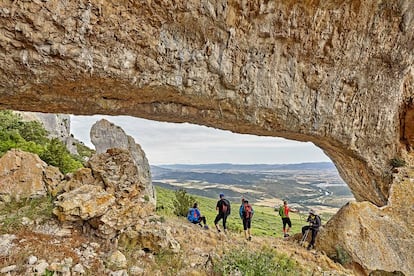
<point>338,74</point>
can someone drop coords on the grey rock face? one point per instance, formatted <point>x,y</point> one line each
<point>105,135</point>
<point>58,125</point>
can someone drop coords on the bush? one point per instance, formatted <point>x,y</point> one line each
<point>342,255</point>
<point>183,201</point>
<point>397,162</point>
<point>32,137</point>
<point>265,262</point>
<point>33,131</point>
<point>57,155</point>
<point>84,151</point>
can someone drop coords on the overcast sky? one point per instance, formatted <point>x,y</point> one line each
<point>168,143</point>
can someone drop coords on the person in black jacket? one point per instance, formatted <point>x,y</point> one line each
<point>314,224</point>
<point>223,208</point>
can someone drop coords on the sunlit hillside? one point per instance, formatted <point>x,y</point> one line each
<point>266,221</point>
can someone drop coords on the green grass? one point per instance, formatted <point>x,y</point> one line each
<point>263,263</point>
<point>266,221</point>
<point>12,213</point>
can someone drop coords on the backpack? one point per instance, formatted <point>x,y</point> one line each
<point>192,215</point>
<point>225,206</point>
<point>247,212</point>
<point>282,211</point>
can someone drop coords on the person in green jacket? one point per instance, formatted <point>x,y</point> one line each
<point>284,213</point>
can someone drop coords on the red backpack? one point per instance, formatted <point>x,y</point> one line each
<point>247,212</point>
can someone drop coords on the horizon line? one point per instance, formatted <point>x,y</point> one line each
<point>247,164</point>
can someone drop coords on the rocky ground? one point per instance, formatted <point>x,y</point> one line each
<point>40,249</point>
<point>100,220</point>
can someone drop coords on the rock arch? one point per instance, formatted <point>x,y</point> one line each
<point>336,73</point>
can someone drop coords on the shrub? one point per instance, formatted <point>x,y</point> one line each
<point>32,137</point>
<point>397,162</point>
<point>265,262</point>
<point>57,155</point>
<point>84,151</point>
<point>183,201</point>
<point>33,131</point>
<point>169,262</point>
<point>342,255</point>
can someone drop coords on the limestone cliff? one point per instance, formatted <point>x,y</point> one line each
<point>58,126</point>
<point>337,73</point>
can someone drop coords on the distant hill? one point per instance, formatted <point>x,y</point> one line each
<point>315,184</point>
<point>247,167</point>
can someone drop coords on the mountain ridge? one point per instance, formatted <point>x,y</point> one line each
<point>247,167</point>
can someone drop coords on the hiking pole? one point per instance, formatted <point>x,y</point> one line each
<point>304,237</point>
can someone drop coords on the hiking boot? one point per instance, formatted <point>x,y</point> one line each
<point>249,238</point>
<point>310,246</point>
<point>206,227</point>
<point>286,235</point>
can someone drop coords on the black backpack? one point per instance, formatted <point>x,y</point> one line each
<point>225,206</point>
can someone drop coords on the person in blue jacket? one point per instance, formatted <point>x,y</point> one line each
<point>246,213</point>
<point>194,216</point>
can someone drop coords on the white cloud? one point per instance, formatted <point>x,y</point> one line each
<point>167,143</point>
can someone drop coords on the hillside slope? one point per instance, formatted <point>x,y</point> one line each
<point>203,252</point>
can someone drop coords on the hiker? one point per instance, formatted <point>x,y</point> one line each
<point>284,213</point>
<point>246,213</point>
<point>194,216</point>
<point>314,224</point>
<point>223,208</point>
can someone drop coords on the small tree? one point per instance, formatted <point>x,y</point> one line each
<point>57,155</point>
<point>182,202</point>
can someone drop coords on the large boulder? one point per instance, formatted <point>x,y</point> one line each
<point>106,135</point>
<point>376,239</point>
<point>82,176</point>
<point>83,203</point>
<point>114,200</point>
<point>25,175</point>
